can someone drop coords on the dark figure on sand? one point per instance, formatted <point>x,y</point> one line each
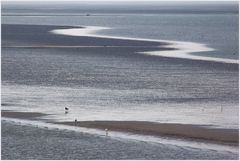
<point>66,110</point>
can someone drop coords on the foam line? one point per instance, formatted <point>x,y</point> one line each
<point>183,48</point>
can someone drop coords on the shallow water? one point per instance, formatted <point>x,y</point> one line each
<point>119,84</point>
<point>97,85</point>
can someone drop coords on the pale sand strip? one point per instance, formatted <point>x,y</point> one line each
<point>184,49</point>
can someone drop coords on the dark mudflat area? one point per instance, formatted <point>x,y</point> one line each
<point>22,115</point>
<point>160,129</point>
<point>39,35</point>
<point>146,128</point>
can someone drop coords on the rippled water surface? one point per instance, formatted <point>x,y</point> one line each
<point>118,83</point>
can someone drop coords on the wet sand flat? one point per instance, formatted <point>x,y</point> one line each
<point>21,115</point>
<point>159,129</point>
<point>146,128</point>
<point>40,36</point>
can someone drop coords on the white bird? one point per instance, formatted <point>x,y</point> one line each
<point>106,130</point>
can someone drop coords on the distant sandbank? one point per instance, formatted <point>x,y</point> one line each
<point>50,36</point>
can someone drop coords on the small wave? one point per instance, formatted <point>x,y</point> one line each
<point>183,48</point>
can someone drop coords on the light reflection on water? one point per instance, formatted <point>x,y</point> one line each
<point>99,104</point>
<point>111,87</point>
